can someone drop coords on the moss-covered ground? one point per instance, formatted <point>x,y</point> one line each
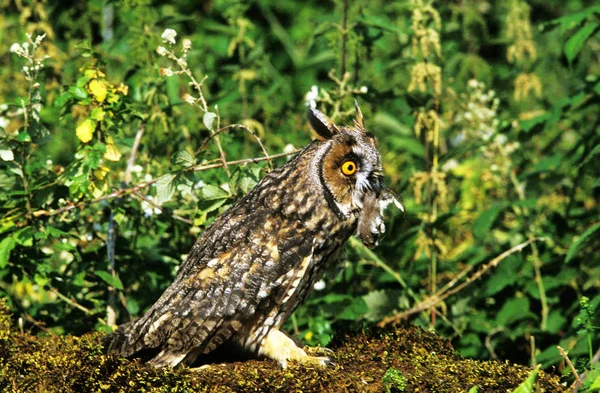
<point>400,359</point>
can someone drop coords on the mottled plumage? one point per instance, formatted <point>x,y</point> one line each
<point>251,268</point>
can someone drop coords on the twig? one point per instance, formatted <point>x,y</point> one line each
<point>111,309</point>
<point>154,205</point>
<point>564,355</point>
<point>441,295</point>
<point>75,304</point>
<point>134,149</point>
<point>243,127</point>
<point>38,324</point>
<point>127,191</point>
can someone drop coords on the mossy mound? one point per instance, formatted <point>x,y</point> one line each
<point>421,361</point>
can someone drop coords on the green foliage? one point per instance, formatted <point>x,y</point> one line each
<point>528,386</point>
<point>393,380</point>
<point>115,155</point>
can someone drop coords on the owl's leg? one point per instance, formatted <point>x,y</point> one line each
<point>279,347</point>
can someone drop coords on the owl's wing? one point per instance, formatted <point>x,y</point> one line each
<point>216,293</point>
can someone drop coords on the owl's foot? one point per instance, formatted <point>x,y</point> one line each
<point>279,347</point>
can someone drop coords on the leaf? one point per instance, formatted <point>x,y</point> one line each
<point>165,187</point>
<point>474,389</point>
<point>513,310</point>
<point>595,386</point>
<point>184,158</point>
<point>380,303</point>
<point>98,89</point>
<point>24,136</point>
<point>111,280</point>
<point>85,130</point>
<point>576,42</point>
<point>208,119</point>
<point>78,92</point>
<point>6,247</point>
<point>24,236</point>
<point>576,244</point>
<point>528,386</point>
<point>210,192</point>
<point>112,153</point>
<point>483,223</point>
<point>97,114</point>
<point>355,310</point>
<point>7,155</point>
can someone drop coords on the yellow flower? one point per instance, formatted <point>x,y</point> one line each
<point>85,130</point>
<point>98,89</point>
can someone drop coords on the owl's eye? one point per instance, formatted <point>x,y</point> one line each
<point>349,168</point>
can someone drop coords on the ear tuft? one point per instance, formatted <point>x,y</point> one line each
<point>321,124</point>
<point>359,116</point>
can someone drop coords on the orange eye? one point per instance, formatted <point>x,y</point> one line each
<point>349,168</point>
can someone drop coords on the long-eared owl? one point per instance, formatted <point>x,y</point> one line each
<point>252,267</point>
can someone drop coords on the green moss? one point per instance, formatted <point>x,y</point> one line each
<point>393,380</point>
<point>425,362</point>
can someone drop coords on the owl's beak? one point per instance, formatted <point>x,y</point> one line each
<point>376,182</point>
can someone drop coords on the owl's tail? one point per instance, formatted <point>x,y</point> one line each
<point>119,341</point>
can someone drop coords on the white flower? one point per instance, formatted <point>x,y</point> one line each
<point>449,165</point>
<point>472,83</point>
<point>169,36</point>
<point>311,97</point>
<point>319,285</point>
<point>364,89</point>
<point>166,72</point>
<point>289,148</point>
<point>187,44</point>
<point>39,39</point>
<point>161,50</point>
<point>15,48</point>
<point>189,99</point>
<point>500,139</point>
<point>4,122</point>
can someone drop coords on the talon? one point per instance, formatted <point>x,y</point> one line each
<point>319,351</point>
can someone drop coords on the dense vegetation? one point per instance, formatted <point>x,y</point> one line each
<point>126,127</point>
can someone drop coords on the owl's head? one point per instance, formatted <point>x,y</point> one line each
<point>347,164</point>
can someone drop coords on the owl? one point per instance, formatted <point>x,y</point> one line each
<point>256,263</point>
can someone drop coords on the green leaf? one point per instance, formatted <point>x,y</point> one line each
<point>111,280</point>
<point>576,42</point>
<point>513,310</point>
<point>78,92</point>
<point>208,119</point>
<point>483,223</point>
<point>354,311</point>
<point>6,247</point>
<point>474,389</point>
<point>595,386</point>
<point>165,187</point>
<point>528,386</point>
<point>24,136</point>
<point>211,192</point>
<point>24,236</point>
<point>577,244</point>
<point>184,158</point>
